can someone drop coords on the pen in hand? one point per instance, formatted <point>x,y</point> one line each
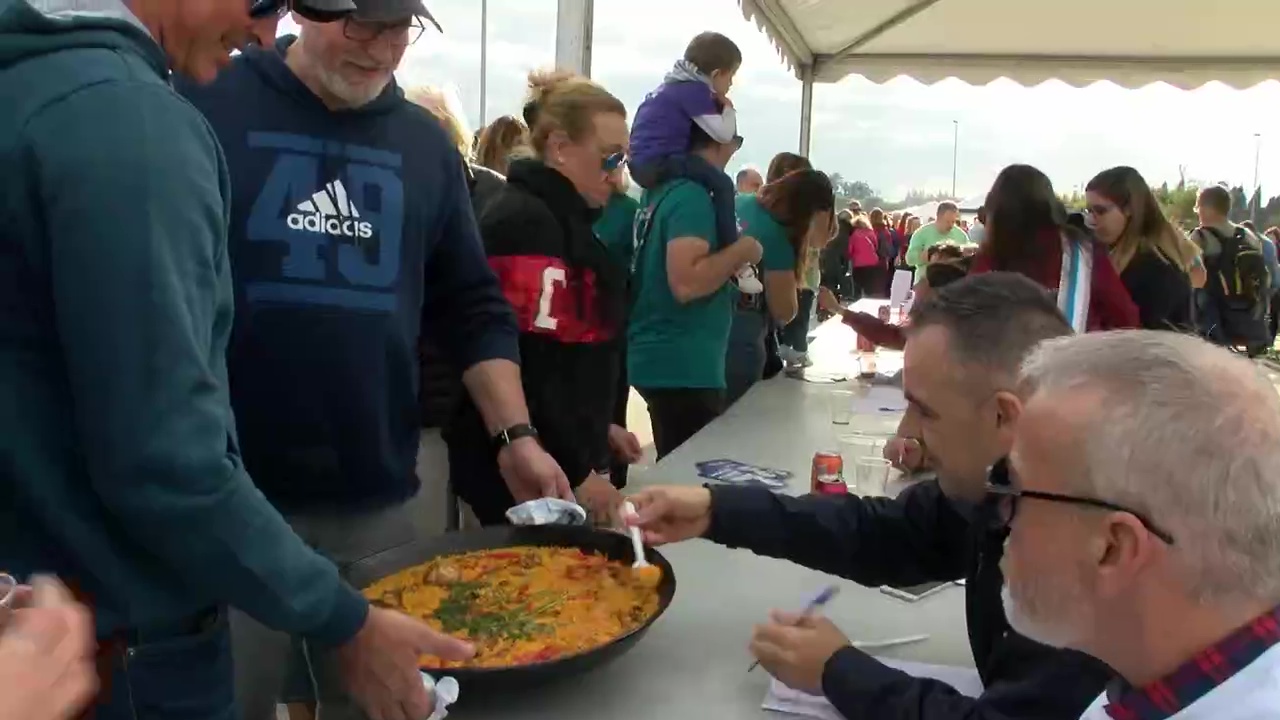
<point>814,605</point>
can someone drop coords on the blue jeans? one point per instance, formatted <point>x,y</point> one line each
<point>744,358</point>
<point>714,180</point>
<point>180,676</point>
<point>796,333</point>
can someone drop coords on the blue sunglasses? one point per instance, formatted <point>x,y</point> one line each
<point>614,161</point>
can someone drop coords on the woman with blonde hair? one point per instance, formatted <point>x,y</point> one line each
<point>503,138</point>
<point>446,107</point>
<point>569,297</point>
<point>1155,260</point>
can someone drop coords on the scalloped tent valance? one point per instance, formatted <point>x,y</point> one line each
<point>1132,43</point>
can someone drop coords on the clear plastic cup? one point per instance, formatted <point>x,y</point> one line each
<point>871,475</point>
<point>856,445</point>
<point>840,403</point>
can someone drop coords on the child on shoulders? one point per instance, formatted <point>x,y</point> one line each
<point>694,92</point>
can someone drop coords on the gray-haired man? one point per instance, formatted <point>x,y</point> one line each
<point>1143,502</point>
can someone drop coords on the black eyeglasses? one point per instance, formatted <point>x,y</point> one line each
<point>1004,497</point>
<point>264,9</point>
<point>403,33</point>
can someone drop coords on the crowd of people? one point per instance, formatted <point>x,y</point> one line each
<point>242,300</point>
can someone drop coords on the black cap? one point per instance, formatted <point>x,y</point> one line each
<point>391,10</point>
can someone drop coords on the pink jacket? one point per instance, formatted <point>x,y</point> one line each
<point>862,248</point>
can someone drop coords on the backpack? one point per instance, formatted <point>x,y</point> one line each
<point>885,246</point>
<point>1240,288</point>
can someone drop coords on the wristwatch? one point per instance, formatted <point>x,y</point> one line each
<point>512,434</point>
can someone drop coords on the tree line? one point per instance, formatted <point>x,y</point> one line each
<point>1177,201</point>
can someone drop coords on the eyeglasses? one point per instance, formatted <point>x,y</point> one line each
<point>613,161</point>
<point>265,9</point>
<point>1004,497</point>
<point>1098,210</point>
<point>402,34</point>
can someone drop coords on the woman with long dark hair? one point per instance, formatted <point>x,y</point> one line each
<point>1154,259</point>
<point>786,216</point>
<point>1027,233</point>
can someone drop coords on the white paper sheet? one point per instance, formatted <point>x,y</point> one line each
<point>783,699</point>
<point>880,400</point>
<point>901,285</point>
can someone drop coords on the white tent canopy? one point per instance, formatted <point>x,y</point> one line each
<point>1186,43</point>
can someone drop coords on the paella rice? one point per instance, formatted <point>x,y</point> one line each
<point>521,605</point>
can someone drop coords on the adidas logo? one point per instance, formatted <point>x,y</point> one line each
<point>330,211</point>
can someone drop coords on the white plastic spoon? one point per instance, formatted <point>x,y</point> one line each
<point>638,547</point>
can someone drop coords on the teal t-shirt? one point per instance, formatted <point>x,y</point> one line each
<point>754,221</point>
<point>614,227</point>
<point>670,345</point>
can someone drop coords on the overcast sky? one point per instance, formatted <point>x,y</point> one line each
<point>895,136</point>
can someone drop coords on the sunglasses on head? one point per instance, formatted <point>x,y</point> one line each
<point>264,9</point>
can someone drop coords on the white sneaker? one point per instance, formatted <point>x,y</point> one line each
<point>747,281</point>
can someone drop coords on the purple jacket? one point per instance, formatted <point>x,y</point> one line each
<point>664,121</point>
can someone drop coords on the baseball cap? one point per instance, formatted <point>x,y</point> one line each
<point>392,10</point>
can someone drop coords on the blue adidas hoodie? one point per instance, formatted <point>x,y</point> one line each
<point>347,230</point>
<point>119,465</point>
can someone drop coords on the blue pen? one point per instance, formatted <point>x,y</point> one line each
<point>813,606</point>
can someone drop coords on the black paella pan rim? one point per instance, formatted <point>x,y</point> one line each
<point>615,546</point>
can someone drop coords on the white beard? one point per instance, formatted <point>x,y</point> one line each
<point>1054,633</point>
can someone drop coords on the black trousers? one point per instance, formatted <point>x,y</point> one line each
<point>677,414</point>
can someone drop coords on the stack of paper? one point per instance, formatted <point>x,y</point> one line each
<point>781,698</point>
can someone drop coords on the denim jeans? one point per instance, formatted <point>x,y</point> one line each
<point>796,333</point>
<point>182,677</point>
<point>745,356</point>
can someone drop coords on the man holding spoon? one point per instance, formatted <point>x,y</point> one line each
<point>964,347</point>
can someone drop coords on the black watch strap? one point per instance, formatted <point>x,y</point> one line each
<point>512,434</point>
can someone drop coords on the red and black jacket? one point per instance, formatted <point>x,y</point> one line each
<point>569,299</point>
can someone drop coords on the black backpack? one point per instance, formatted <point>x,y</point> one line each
<point>1240,286</point>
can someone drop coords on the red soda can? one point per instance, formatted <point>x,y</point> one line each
<point>827,476</point>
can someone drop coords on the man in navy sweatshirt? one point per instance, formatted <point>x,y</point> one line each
<point>351,230</point>
<point>120,467</point>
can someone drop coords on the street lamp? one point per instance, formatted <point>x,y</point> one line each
<point>484,58</point>
<point>1257,156</point>
<point>955,155</point>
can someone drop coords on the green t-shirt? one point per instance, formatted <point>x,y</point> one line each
<point>670,345</point>
<point>614,227</point>
<point>928,236</point>
<point>754,221</point>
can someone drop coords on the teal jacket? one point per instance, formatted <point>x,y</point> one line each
<point>119,468</point>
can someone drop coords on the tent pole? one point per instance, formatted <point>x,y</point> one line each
<point>806,108</point>
<point>573,35</point>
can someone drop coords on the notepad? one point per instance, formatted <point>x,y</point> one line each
<point>783,699</point>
